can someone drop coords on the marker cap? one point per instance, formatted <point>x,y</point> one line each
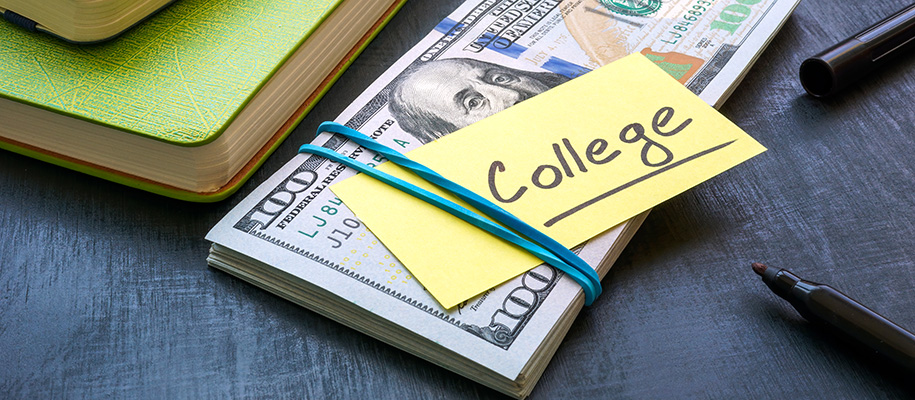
<point>848,61</point>
<point>835,68</point>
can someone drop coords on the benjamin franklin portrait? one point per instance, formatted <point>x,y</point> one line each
<point>434,99</point>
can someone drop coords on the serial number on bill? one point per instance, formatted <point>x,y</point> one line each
<point>687,20</point>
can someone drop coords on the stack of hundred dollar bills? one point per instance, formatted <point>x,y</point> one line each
<point>293,237</point>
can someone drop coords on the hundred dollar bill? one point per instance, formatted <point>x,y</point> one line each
<point>293,237</point>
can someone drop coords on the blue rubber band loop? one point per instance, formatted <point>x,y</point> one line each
<point>458,211</point>
<point>554,253</point>
<point>479,202</point>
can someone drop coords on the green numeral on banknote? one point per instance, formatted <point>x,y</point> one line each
<point>732,15</point>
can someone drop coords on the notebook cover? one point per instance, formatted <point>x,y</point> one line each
<point>136,84</point>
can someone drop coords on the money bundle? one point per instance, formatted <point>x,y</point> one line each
<point>293,237</point>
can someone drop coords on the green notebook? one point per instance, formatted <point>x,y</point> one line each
<point>186,104</point>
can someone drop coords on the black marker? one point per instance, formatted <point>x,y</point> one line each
<point>846,62</point>
<point>822,304</point>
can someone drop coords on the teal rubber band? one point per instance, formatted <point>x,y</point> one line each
<point>484,205</point>
<point>462,213</point>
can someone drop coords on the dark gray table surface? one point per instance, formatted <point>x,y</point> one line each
<point>105,292</point>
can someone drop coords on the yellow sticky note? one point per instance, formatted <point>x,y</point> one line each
<point>572,162</point>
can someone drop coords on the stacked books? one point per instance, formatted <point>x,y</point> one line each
<point>79,21</point>
<point>189,102</point>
